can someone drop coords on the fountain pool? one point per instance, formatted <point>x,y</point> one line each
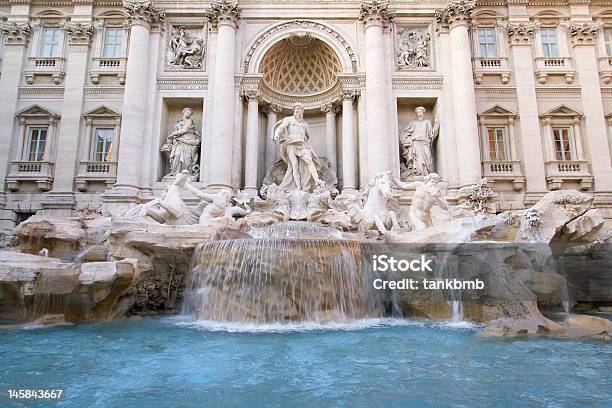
<point>165,362</point>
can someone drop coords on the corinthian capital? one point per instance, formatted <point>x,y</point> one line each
<point>142,12</point>
<point>457,12</point>
<point>79,33</point>
<point>251,95</point>
<point>375,12</point>
<point>14,33</point>
<point>520,34</point>
<point>584,34</point>
<point>225,12</point>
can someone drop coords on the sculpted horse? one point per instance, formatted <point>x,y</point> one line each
<point>375,213</point>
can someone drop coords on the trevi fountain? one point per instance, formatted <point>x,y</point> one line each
<point>293,266</point>
<point>323,281</point>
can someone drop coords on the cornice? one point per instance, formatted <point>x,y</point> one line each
<point>104,90</point>
<point>568,90</point>
<point>180,83</point>
<point>401,83</point>
<point>51,91</point>
<point>510,90</point>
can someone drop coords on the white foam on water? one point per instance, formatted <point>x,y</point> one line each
<point>462,324</point>
<point>234,327</point>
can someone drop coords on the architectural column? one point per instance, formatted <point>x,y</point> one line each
<point>447,145</point>
<point>116,141</point>
<point>378,106</point>
<point>549,149</point>
<point>271,148</point>
<point>141,16</point>
<point>225,14</point>
<point>61,200</point>
<point>330,134</point>
<point>521,35</point>
<point>50,143</point>
<point>349,148</point>
<point>456,16</point>
<point>88,136</point>
<point>251,156</point>
<point>583,40</point>
<point>16,36</point>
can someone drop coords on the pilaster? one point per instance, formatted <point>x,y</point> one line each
<point>583,39</point>
<point>457,16</point>
<point>16,38</point>
<point>521,37</point>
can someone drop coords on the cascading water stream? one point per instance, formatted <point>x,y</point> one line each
<point>449,269</point>
<point>291,272</point>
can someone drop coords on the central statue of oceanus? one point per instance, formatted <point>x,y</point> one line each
<point>299,168</point>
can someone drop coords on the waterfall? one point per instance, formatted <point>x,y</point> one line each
<point>449,269</point>
<point>292,272</point>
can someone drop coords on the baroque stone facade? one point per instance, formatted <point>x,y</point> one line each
<point>517,93</point>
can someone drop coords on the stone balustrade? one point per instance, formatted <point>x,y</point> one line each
<point>108,67</point>
<point>96,172</point>
<point>39,172</point>
<point>560,171</point>
<point>494,66</point>
<point>498,170</point>
<point>547,66</point>
<point>43,66</point>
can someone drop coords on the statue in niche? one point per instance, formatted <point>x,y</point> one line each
<point>187,52</point>
<point>426,195</point>
<point>417,145</point>
<point>183,146</point>
<point>414,49</point>
<point>300,167</point>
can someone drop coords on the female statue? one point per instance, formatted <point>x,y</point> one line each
<point>183,146</point>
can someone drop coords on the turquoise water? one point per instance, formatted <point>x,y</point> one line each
<point>389,363</point>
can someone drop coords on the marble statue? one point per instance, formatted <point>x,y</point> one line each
<point>375,213</point>
<point>417,144</point>
<point>302,164</point>
<point>183,146</point>
<point>219,205</point>
<point>426,195</point>
<point>186,51</point>
<point>170,208</point>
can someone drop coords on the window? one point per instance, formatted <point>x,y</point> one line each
<point>564,144</point>
<point>498,143</point>
<point>37,138</point>
<point>50,43</point>
<point>487,42</point>
<point>113,40</point>
<point>103,144</point>
<point>549,42</point>
<point>608,41</point>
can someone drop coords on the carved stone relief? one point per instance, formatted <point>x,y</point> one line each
<point>186,47</point>
<point>413,48</point>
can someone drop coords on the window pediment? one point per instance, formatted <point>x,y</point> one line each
<point>561,111</point>
<point>498,111</point>
<point>36,112</point>
<point>101,112</point>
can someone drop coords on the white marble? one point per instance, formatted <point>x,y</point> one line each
<point>362,70</point>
